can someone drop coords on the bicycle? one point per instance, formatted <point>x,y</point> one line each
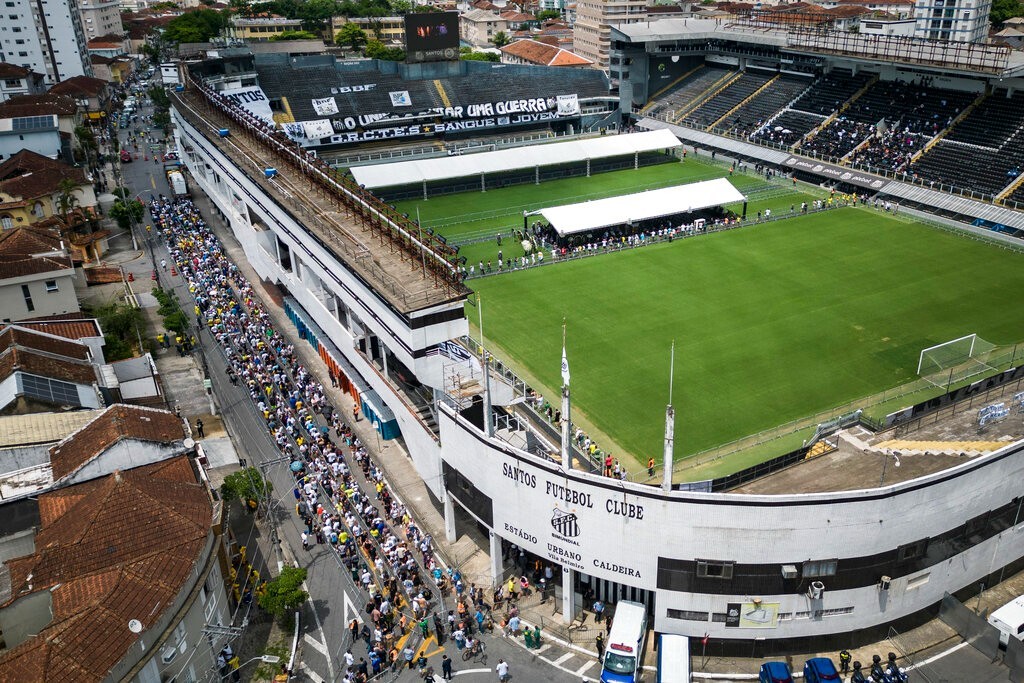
<point>476,651</point>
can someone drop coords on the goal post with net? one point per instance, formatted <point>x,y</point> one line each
<point>955,360</point>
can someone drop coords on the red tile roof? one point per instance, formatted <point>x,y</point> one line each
<point>8,70</point>
<point>69,326</point>
<point>37,105</point>
<point>546,55</point>
<point>27,175</point>
<point>80,85</point>
<point>13,335</point>
<point>117,422</point>
<point>34,363</point>
<point>20,248</point>
<point>114,549</point>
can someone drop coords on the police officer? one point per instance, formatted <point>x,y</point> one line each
<point>844,661</point>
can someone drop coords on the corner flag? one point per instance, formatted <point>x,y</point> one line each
<point>565,367</point>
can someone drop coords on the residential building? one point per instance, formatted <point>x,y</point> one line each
<point>40,134</point>
<point>594,21</point>
<point>478,27</point>
<point>37,276</point>
<point>541,54</point>
<point>519,21</point>
<point>388,30</point>
<point>93,94</point>
<point>955,20</point>
<point>17,80</point>
<point>100,17</point>
<point>1010,36</point>
<point>123,557</point>
<point>30,190</point>
<point>71,326</point>
<point>898,8</point>
<point>46,36</point>
<point>115,70</point>
<point>65,108</point>
<point>259,29</point>
<point>108,46</point>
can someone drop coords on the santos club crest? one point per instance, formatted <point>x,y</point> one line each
<point>565,523</point>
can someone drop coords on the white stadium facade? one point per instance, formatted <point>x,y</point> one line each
<point>783,570</point>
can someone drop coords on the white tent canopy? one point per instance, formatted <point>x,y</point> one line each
<point>532,156</point>
<point>603,213</point>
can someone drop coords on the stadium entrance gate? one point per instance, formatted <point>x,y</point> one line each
<point>611,592</point>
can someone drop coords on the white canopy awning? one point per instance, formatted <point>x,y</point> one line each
<point>446,168</point>
<point>603,213</point>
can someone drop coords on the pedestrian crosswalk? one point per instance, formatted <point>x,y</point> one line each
<point>571,659</point>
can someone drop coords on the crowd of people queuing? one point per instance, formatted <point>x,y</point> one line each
<point>372,533</point>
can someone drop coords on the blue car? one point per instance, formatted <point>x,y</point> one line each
<point>820,670</point>
<point>775,672</point>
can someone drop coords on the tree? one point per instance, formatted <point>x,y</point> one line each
<point>197,26</point>
<point>86,141</point>
<point>350,35</point>
<point>294,35</point>
<point>469,55</point>
<point>246,485</point>
<point>125,211</point>
<point>152,51</point>
<point>161,100</point>
<point>66,199</point>
<point>284,594</point>
<point>501,39</point>
<point>549,14</point>
<point>121,324</point>
<point>1005,9</point>
<point>378,50</point>
<point>316,13</point>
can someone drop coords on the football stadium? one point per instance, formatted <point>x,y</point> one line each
<point>780,266</point>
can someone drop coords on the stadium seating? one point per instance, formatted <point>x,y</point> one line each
<point>984,152</point>
<point>830,92</point>
<point>762,106</point>
<point>727,98</point>
<point>912,114</point>
<point>689,89</point>
<point>789,127</point>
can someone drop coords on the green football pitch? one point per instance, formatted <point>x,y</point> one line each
<point>771,323</point>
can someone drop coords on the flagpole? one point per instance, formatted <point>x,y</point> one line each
<point>670,426</point>
<point>566,422</point>
<point>488,426</point>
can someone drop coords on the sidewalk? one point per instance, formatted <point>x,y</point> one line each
<point>471,559</point>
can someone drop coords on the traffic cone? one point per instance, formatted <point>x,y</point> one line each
<point>154,276</point>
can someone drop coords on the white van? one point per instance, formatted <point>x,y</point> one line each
<point>1009,619</point>
<point>626,642</point>
<point>673,659</point>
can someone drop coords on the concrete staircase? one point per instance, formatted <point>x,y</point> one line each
<point>968,449</point>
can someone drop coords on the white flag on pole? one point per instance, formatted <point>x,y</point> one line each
<point>565,368</point>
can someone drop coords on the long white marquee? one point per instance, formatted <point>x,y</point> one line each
<point>603,213</point>
<point>446,168</point>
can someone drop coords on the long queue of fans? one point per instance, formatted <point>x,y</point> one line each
<point>364,528</point>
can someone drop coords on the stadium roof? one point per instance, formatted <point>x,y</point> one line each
<point>445,168</point>
<point>603,213</point>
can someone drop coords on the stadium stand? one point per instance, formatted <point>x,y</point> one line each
<point>690,89</point>
<point>719,104</point>
<point>912,114</point>
<point>984,152</point>
<point>755,112</point>
<point>825,96</point>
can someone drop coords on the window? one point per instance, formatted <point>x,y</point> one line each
<point>710,569</point>
<point>820,568</point>
<point>911,551</point>
<point>51,286</point>
<point>28,298</point>
<point>686,615</point>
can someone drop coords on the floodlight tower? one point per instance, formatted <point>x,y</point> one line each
<point>566,422</point>
<point>670,426</point>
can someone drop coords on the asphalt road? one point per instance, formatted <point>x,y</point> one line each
<point>334,597</point>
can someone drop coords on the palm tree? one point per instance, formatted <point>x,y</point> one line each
<point>66,200</point>
<point>86,140</point>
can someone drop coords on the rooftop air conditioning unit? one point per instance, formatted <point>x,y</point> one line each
<point>789,571</point>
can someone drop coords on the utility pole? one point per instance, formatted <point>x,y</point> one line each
<point>670,426</point>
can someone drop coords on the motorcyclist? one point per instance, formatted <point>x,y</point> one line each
<point>894,671</point>
<point>858,676</point>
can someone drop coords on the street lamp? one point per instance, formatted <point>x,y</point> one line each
<point>885,461</point>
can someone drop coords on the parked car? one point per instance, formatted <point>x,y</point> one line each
<point>126,156</point>
<point>775,672</point>
<point>820,670</point>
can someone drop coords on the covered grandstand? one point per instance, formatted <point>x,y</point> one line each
<point>326,103</point>
<point>631,209</point>
<point>572,157</point>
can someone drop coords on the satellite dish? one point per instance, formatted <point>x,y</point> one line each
<point>135,626</point>
<point>189,442</point>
